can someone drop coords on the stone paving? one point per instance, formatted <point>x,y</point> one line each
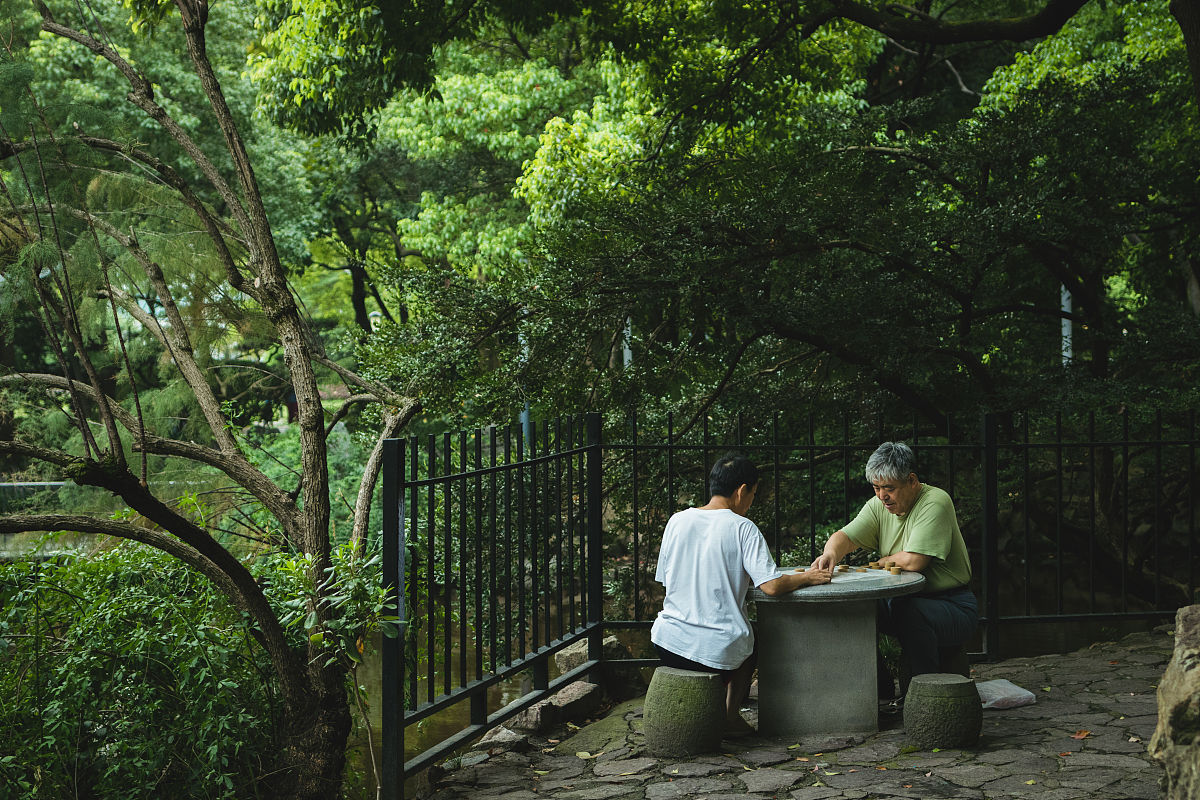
<point>1085,737</point>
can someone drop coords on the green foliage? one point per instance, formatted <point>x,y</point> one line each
<point>327,66</point>
<point>840,253</point>
<point>126,675</point>
<point>342,613</point>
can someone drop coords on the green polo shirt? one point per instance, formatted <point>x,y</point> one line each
<point>930,527</point>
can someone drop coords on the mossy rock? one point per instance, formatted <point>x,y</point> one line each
<point>942,710</point>
<point>684,714</point>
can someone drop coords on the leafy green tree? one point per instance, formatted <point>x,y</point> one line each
<point>142,242</point>
<point>826,248</point>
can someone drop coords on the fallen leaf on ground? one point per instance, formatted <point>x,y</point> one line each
<point>881,768</point>
<point>1030,783</point>
<point>929,774</point>
<point>802,758</point>
<point>585,754</point>
<point>748,769</point>
<point>541,772</point>
<point>1045,688</point>
<point>1081,734</point>
<point>1064,755</point>
<point>906,786</point>
<point>1114,662</point>
<point>572,726</point>
<point>1134,739</point>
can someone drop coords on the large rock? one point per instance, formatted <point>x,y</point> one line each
<point>619,682</point>
<point>575,702</point>
<point>1176,742</point>
<point>502,740</point>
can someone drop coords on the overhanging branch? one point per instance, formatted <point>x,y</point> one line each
<point>906,23</point>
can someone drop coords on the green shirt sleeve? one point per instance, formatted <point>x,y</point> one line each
<point>931,529</point>
<point>863,530</point>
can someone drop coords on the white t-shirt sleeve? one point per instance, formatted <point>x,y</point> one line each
<point>756,556</point>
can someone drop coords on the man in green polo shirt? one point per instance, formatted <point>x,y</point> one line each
<point>914,525</point>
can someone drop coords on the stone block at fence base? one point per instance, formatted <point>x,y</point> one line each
<point>684,712</point>
<point>575,702</point>
<point>502,740</point>
<point>942,710</point>
<point>619,682</point>
<point>1176,742</point>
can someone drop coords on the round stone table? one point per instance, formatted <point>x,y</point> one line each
<point>816,654</point>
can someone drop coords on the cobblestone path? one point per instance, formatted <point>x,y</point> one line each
<point>1086,737</point>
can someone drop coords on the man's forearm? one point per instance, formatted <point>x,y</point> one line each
<point>911,562</point>
<point>838,546</point>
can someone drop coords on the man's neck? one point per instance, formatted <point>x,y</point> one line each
<point>716,503</point>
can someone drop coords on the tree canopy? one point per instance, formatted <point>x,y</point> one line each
<point>240,246</point>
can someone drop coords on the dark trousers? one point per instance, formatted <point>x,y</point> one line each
<point>926,624</point>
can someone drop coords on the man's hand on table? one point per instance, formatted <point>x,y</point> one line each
<point>824,562</point>
<point>836,548</point>
<point>791,581</point>
<point>815,577</point>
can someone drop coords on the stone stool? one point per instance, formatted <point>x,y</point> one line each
<point>942,710</point>
<point>684,714</point>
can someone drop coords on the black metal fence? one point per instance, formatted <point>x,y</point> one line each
<point>517,542</point>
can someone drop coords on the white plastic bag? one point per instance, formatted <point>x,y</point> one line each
<point>1001,693</point>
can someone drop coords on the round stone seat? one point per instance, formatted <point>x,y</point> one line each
<point>942,710</point>
<point>684,713</point>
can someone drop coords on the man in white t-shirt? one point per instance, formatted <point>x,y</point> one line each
<point>709,558</point>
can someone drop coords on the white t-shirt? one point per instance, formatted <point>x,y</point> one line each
<point>707,562</point>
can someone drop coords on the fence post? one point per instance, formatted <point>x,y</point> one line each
<point>991,533</point>
<point>392,706</point>
<point>595,537</point>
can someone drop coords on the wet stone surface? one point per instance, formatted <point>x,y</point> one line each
<point>1085,737</point>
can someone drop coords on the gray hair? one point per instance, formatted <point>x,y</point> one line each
<point>891,461</point>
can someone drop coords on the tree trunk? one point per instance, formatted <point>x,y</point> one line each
<point>312,758</point>
<point>1187,14</point>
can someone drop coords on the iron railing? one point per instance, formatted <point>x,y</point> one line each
<point>517,542</point>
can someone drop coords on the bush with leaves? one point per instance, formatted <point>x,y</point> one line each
<point>127,675</point>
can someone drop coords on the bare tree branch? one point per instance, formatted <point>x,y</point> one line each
<point>393,423</point>
<point>238,469</point>
<point>141,94</point>
<point>352,378</point>
<point>909,24</point>
<point>344,410</point>
<point>86,523</point>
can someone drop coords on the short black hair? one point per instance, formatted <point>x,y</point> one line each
<point>730,472</point>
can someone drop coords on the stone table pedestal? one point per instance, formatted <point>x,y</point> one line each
<point>816,654</point>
